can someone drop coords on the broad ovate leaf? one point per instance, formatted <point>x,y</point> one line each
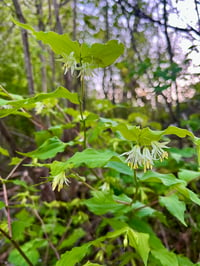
<point>165,179</point>
<point>165,257</point>
<point>47,150</point>
<point>74,256</point>
<point>91,158</point>
<point>188,175</point>
<point>104,202</point>
<point>59,43</point>
<point>139,241</point>
<point>4,151</point>
<point>174,206</point>
<point>97,55</point>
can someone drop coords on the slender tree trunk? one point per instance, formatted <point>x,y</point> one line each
<point>52,58</point>
<point>41,27</point>
<point>74,19</point>
<point>59,28</point>
<point>27,58</point>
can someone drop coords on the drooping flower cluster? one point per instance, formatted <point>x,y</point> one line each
<point>145,156</point>
<point>69,63</point>
<point>59,180</point>
<point>85,69</point>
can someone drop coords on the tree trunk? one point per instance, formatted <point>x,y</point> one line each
<point>41,27</point>
<point>27,58</point>
<point>58,22</point>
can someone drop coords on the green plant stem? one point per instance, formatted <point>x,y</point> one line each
<point>136,185</point>
<point>15,244</point>
<point>45,233</point>
<point>81,105</point>
<point>83,182</point>
<point>5,195</point>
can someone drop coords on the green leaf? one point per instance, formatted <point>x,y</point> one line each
<point>18,228</point>
<point>145,136</point>
<point>47,150</point>
<point>99,55</point>
<point>88,263</point>
<point>15,160</point>
<point>12,111</point>
<point>92,158</point>
<point>75,255</point>
<point>12,106</point>
<point>143,210</point>
<point>141,136</point>
<point>188,175</point>
<point>189,194</point>
<point>73,238</point>
<point>103,202</point>
<point>60,92</point>
<point>139,241</point>
<point>131,134</point>
<point>16,259</point>
<point>165,257</point>
<point>2,204</point>
<point>4,151</point>
<point>180,132</point>
<point>59,43</point>
<point>105,54</point>
<point>120,167</point>
<point>174,206</point>
<point>165,179</point>
<point>184,261</point>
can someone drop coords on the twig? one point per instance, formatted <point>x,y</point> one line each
<point>15,244</point>
<point>45,233</point>
<point>5,195</point>
<point>14,168</point>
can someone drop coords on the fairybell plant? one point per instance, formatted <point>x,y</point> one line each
<point>130,212</point>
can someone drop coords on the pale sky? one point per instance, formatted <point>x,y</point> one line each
<point>187,16</point>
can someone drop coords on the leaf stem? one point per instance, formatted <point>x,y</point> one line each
<point>136,185</point>
<point>81,105</point>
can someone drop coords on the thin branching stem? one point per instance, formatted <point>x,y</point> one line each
<point>5,195</point>
<point>136,185</point>
<point>81,106</point>
<point>15,244</point>
<point>34,210</point>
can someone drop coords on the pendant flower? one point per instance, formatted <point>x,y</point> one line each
<point>59,181</point>
<point>85,69</point>
<point>145,156</point>
<point>69,62</point>
<point>147,159</point>
<point>157,150</point>
<point>135,158</point>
